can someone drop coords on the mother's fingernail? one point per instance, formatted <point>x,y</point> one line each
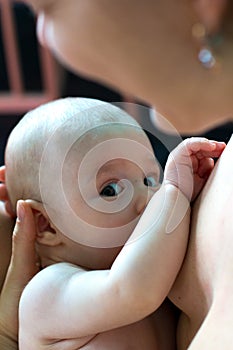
<point>20,211</point>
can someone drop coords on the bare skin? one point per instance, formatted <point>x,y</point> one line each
<point>6,229</point>
<point>187,332</point>
<point>103,40</point>
<point>203,289</point>
<point>131,279</point>
<point>223,298</point>
<point>150,333</point>
<point>119,290</point>
<point>21,269</point>
<point>147,333</point>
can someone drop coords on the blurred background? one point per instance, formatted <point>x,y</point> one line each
<point>29,76</point>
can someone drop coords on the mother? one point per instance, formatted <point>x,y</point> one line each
<point>174,55</point>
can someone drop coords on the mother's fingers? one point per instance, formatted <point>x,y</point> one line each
<point>24,262</point>
<point>2,173</point>
<point>24,259</point>
<point>23,266</point>
<point>3,192</point>
<point>5,198</point>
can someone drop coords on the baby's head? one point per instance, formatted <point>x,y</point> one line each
<point>88,169</point>
<point>65,118</point>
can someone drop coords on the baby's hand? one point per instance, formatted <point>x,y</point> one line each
<point>190,164</point>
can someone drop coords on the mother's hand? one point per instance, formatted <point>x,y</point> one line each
<point>23,266</point>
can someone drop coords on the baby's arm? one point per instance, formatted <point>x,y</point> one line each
<point>64,301</point>
<point>190,164</point>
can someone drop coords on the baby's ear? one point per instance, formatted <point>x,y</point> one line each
<point>46,233</point>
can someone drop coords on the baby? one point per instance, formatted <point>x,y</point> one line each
<point>111,239</point>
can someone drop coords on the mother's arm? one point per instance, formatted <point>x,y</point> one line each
<point>22,267</point>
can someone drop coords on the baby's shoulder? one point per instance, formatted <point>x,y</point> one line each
<point>65,267</point>
<point>59,272</point>
<point>37,296</point>
<point>52,277</point>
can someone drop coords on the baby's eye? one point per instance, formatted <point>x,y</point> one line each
<point>111,190</point>
<point>151,181</point>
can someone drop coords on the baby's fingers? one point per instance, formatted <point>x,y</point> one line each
<point>213,153</point>
<point>219,147</point>
<point>196,144</point>
<point>205,167</point>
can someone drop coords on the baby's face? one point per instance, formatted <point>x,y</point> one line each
<point>108,178</point>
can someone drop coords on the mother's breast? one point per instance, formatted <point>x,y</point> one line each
<point>208,265</point>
